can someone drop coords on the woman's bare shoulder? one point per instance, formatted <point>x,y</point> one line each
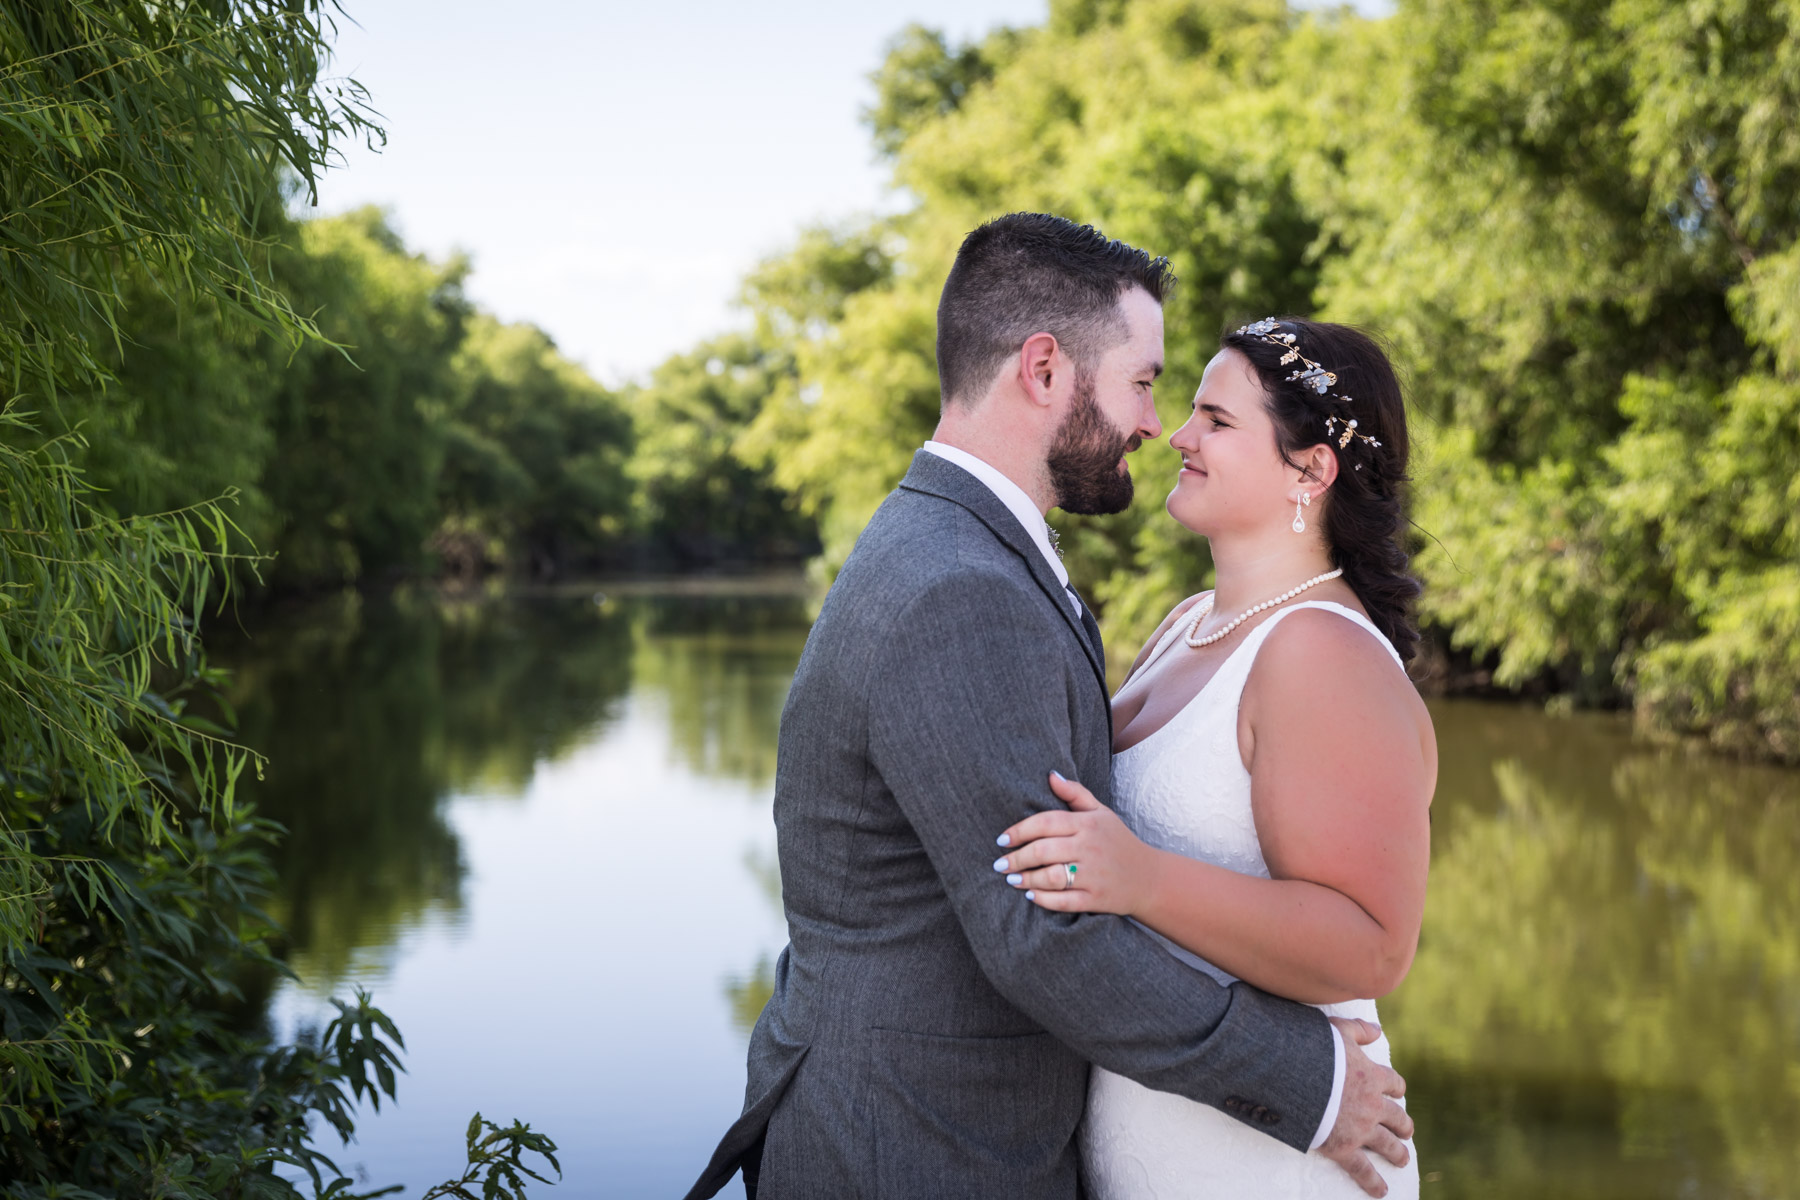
<point>1314,651</point>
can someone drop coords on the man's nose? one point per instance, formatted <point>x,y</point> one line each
<point>1149,424</point>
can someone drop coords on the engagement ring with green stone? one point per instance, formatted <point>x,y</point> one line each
<point>1071,882</point>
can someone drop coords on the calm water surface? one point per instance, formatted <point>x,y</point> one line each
<point>538,830</point>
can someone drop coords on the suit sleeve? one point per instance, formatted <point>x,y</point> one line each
<point>969,712</point>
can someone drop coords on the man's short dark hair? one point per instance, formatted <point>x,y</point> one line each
<point>1028,273</point>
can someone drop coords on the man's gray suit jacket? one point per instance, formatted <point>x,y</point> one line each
<point>931,1029</point>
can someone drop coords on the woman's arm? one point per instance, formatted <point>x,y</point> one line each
<point>1342,767</point>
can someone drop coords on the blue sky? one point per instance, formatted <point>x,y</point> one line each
<point>613,169</point>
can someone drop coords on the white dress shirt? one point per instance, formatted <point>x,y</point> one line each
<point>1022,507</point>
<point>1017,502</point>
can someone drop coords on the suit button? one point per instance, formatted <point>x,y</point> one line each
<point>1259,1112</point>
<point>1233,1103</point>
<point>1270,1118</point>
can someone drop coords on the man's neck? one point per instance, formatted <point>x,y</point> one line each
<point>1003,454</point>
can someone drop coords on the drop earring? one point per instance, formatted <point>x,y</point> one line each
<point>1300,521</point>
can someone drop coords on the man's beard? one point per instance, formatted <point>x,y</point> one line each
<point>1084,458</point>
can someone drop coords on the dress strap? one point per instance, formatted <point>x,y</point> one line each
<point>1226,687</point>
<point>1261,632</point>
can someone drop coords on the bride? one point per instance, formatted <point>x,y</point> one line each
<point>1273,766</point>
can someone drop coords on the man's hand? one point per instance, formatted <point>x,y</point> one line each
<point>1367,1119</point>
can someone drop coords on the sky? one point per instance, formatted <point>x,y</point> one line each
<point>612,169</point>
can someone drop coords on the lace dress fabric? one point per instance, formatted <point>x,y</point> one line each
<point>1184,788</point>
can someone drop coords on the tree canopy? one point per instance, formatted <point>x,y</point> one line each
<point>1574,219</point>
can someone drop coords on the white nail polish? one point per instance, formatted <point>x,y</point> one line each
<point>1031,895</point>
<point>1004,839</point>
<point>1015,880</point>
<point>999,864</point>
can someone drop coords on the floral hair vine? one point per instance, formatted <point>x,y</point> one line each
<point>1312,375</point>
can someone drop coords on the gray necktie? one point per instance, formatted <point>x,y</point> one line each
<point>1088,624</point>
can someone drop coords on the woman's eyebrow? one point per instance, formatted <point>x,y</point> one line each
<point>1212,410</point>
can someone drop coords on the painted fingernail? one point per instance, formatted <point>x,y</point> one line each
<point>1058,776</point>
<point>999,864</point>
<point>1031,895</point>
<point>1004,839</point>
<point>1015,880</point>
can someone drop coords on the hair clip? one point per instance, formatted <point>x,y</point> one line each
<point>1312,375</point>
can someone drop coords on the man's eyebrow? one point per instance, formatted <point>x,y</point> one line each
<point>1155,367</point>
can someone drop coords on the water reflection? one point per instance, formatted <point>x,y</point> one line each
<point>538,826</point>
<point>373,711</point>
<point>1606,1000</point>
<point>748,992</point>
<point>722,665</point>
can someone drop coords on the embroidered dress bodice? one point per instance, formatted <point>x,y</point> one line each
<point>1184,788</point>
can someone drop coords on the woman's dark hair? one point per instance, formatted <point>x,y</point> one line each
<point>1364,510</point>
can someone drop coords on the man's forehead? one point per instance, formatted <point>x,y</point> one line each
<point>1144,321</point>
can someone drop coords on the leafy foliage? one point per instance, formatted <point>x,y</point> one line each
<point>496,1162</point>
<point>138,145</point>
<point>139,137</point>
<point>537,451</point>
<point>1575,220</point>
<point>360,432</point>
<point>923,77</point>
<point>413,434</point>
<point>699,497</point>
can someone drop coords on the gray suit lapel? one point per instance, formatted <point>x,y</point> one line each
<point>940,477</point>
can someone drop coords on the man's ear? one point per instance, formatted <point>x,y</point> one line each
<point>1041,367</point>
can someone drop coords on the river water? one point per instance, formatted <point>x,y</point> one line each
<point>537,829</point>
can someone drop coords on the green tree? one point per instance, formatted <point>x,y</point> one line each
<point>136,143</point>
<point>184,414</point>
<point>535,467</point>
<point>922,77</point>
<point>1574,218</point>
<point>700,497</point>
<point>1156,120</point>
<point>360,424</point>
<point>1591,269</point>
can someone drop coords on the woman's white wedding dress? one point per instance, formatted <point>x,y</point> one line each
<point>1184,788</point>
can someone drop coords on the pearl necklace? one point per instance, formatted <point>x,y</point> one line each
<point>1205,607</point>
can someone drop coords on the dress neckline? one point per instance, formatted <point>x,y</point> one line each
<point>1192,700</point>
<point>1250,639</point>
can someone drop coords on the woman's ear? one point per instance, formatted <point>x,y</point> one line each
<point>1318,470</point>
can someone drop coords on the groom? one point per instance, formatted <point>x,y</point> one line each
<point>930,1030</point>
